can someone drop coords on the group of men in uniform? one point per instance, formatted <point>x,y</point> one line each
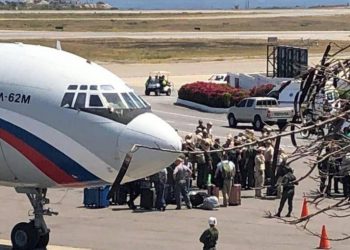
<point>252,164</point>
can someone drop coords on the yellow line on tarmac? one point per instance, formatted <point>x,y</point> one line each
<point>6,245</point>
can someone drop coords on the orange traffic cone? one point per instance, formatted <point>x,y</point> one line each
<point>305,209</point>
<point>324,242</point>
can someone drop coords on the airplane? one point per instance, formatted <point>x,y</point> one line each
<point>68,122</point>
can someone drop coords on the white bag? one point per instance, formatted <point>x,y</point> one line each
<point>210,203</point>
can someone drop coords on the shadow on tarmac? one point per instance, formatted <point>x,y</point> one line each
<point>4,247</point>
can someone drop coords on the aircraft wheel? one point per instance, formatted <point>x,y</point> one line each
<point>24,236</point>
<point>168,93</point>
<point>147,92</point>
<point>43,241</point>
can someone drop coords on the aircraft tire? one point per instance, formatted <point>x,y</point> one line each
<point>24,236</point>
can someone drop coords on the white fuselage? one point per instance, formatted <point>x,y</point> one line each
<point>65,121</point>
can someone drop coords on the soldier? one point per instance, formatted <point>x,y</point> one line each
<point>281,169</point>
<point>210,130</point>
<point>180,174</point>
<point>248,179</point>
<point>288,183</point>
<point>225,170</point>
<point>259,171</point>
<point>268,160</point>
<point>210,236</point>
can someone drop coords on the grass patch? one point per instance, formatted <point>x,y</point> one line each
<point>155,51</point>
<point>307,23</point>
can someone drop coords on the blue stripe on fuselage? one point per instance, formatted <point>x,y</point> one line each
<point>67,164</point>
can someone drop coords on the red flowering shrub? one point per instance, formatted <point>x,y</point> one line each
<point>261,91</point>
<point>216,95</point>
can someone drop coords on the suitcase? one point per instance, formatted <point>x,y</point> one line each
<point>235,195</point>
<point>213,190</point>
<point>120,197</point>
<point>198,198</point>
<point>148,196</point>
<point>271,191</point>
<point>96,197</point>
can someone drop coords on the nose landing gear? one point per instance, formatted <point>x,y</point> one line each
<point>35,234</point>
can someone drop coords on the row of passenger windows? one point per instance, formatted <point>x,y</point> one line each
<point>91,87</point>
<point>115,100</point>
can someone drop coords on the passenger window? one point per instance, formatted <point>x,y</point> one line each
<point>128,100</point>
<point>269,103</point>
<point>250,103</point>
<point>67,100</point>
<point>114,100</point>
<point>258,103</point>
<point>264,103</point>
<point>107,87</point>
<point>83,87</point>
<point>93,87</point>
<point>72,87</point>
<point>274,103</point>
<point>242,104</point>
<point>95,101</point>
<point>80,102</point>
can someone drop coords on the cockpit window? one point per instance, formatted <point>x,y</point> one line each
<point>95,101</point>
<point>129,101</point>
<point>114,100</point>
<point>138,102</point>
<point>72,87</point>
<point>83,87</point>
<point>93,87</point>
<point>80,102</point>
<point>67,100</point>
<point>107,87</point>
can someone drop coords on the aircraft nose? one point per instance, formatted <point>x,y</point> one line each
<point>149,130</point>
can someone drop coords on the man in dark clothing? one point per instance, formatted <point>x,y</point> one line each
<point>216,157</point>
<point>160,180</point>
<point>134,191</point>
<point>250,154</point>
<point>210,236</point>
<point>200,125</point>
<point>288,183</point>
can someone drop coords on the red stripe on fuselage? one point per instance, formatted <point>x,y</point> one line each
<point>41,162</point>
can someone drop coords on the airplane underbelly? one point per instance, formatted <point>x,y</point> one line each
<point>25,172</point>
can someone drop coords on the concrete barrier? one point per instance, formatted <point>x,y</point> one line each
<point>201,107</point>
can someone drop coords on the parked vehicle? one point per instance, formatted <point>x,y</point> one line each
<point>259,111</point>
<point>219,78</point>
<point>158,82</point>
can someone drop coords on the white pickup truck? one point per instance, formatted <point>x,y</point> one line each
<point>259,111</point>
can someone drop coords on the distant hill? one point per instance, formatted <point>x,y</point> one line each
<point>218,4</point>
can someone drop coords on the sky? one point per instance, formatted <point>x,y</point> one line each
<point>216,4</point>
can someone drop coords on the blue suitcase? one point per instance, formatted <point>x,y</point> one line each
<point>96,197</point>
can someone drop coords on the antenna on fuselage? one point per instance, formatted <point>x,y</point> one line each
<point>58,45</point>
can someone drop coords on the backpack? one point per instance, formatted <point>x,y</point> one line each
<point>226,171</point>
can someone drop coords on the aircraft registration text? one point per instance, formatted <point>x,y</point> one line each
<point>15,98</point>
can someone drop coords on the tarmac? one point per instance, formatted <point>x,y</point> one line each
<point>245,227</point>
